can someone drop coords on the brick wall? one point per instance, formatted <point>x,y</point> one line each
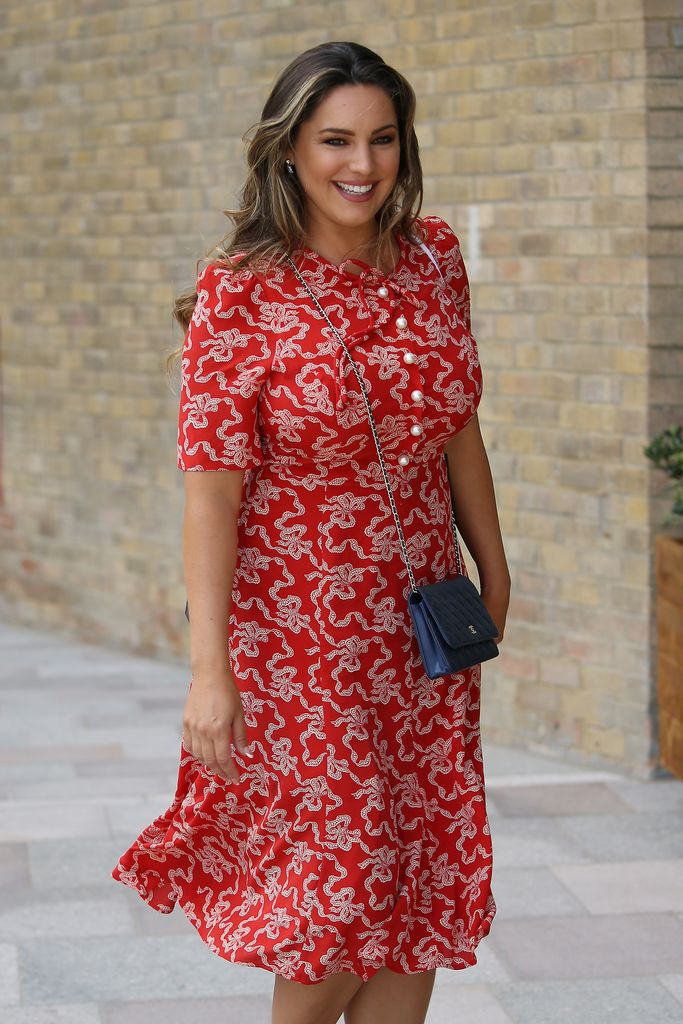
<point>542,158</point>
<point>550,135</point>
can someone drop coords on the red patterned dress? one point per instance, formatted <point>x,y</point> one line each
<point>357,836</point>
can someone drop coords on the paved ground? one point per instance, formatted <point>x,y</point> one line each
<point>588,870</point>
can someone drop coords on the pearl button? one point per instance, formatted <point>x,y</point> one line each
<point>383,292</point>
<point>409,357</point>
<point>403,460</point>
<point>401,323</point>
<point>416,429</point>
<point>416,395</point>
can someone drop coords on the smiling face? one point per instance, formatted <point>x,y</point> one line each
<point>346,158</point>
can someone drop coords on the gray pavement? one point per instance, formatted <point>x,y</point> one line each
<point>588,869</point>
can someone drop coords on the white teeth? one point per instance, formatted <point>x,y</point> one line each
<point>353,188</point>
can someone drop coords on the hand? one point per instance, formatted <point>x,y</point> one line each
<point>497,603</point>
<point>213,715</point>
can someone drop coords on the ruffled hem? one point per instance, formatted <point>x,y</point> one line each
<point>285,958</point>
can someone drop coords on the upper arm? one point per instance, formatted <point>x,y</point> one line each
<point>226,486</point>
<point>467,439</point>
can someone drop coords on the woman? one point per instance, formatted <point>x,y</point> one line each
<point>329,822</point>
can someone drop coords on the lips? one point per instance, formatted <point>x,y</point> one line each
<point>358,187</point>
<point>355,194</point>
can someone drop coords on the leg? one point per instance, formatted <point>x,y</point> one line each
<point>389,996</point>
<point>323,1003</point>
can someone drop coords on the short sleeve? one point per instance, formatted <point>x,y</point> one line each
<point>446,247</point>
<point>226,360</point>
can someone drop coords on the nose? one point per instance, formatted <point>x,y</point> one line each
<point>361,161</point>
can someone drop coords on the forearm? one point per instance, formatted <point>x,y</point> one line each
<point>210,556</point>
<point>474,502</point>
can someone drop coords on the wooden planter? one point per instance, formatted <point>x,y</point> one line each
<point>669,566</point>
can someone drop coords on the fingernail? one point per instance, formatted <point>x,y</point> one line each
<point>248,751</point>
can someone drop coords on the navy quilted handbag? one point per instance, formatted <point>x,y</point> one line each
<point>454,631</point>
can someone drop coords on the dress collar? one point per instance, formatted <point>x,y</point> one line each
<point>369,279</point>
<point>367,272</point>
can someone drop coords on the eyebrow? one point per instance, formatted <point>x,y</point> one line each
<point>345,131</point>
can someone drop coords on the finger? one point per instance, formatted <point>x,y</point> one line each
<point>211,760</point>
<point>189,740</point>
<point>240,738</point>
<point>224,758</point>
<point>206,752</point>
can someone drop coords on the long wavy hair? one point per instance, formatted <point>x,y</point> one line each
<point>271,219</point>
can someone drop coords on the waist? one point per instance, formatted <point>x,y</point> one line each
<point>370,470</point>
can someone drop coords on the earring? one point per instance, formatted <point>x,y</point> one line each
<point>290,166</point>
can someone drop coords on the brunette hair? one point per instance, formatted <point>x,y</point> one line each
<point>270,221</point>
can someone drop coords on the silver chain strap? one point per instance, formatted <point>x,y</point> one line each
<point>378,446</point>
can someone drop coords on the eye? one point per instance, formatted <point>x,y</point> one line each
<point>383,140</point>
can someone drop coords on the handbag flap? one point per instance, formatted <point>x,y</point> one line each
<point>457,611</point>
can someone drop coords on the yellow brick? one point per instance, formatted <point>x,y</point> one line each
<point>557,559</point>
<point>609,743</point>
<point>536,470</point>
<point>580,591</point>
<point>607,681</point>
<point>581,704</point>
<point>514,157</point>
<point>552,41</point>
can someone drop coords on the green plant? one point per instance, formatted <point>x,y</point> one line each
<point>665,450</point>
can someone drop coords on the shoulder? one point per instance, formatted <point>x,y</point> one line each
<point>445,245</point>
<point>437,232</point>
<point>226,274</point>
<point>224,288</point>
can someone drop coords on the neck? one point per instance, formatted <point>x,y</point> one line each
<point>337,244</point>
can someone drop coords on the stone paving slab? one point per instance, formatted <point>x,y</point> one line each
<point>72,863</point>
<point>75,1013</point>
<point>33,820</point>
<point>473,1004</point>
<point>627,888</point>
<point>22,772</point>
<point>233,1010</point>
<point>532,892</point>
<point>619,837</point>
<point>522,842</point>
<point>615,946</point>
<point>29,917</point>
<point>657,795</point>
<point>617,1001</point>
<point>674,984</point>
<point>80,970</point>
<point>507,763</point>
<point>14,869</point>
<point>137,768</point>
<point>573,798</point>
<point>127,818</point>
<point>9,975</point>
<point>45,756</point>
<point>78,789</point>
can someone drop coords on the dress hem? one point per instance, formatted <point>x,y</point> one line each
<point>364,972</point>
